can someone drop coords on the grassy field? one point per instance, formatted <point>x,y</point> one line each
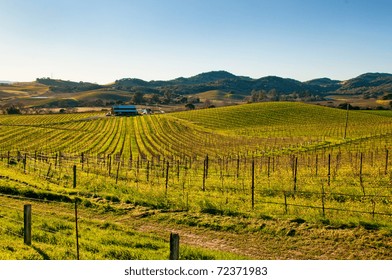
<point>301,181</point>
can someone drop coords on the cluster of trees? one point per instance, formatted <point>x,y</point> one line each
<point>67,86</point>
<point>19,108</point>
<point>167,98</point>
<point>273,95</point>
<point>11,109</point>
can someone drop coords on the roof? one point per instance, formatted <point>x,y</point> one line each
<point>127,107</point>
<point>125,110</point>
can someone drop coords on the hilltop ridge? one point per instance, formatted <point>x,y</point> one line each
<point>221,86</point>
<point>371,83</point>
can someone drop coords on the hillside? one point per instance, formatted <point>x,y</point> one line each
<point>271,88</point>
<point>67,86</point>
<point>219,87</point>
<point>326,84</point>
<point>369,85</point>
<point>272,180</point>
<point>271,119</point>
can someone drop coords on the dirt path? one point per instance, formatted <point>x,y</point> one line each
<point>278,240</point>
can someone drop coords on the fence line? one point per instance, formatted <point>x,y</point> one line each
<point>250,181</point>
<point>32,198</point>
<point>40,223</point>
<point>325,208</point>
<point>257,201</point>
<point>11,231</point>
<point>13,220</point>
<point>29,233</point>
<point>7,206</point>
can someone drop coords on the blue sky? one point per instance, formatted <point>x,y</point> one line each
<point>101,41</point>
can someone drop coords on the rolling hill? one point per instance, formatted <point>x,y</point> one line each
<point>285,172</point>
<point>214,85</point>
<point>365,85</point>
<point>375,84</point>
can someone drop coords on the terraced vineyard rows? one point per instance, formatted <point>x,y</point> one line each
<point>253,129</point>
<point>258,160</point>
<point>286,120</point>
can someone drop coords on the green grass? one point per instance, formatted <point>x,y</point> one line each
<point>53,234</point>
<point>122,165</point>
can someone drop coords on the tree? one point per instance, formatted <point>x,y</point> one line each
<point>193,99</point>
<point>258,95</point>
<point>273,95</point>
<point>13,110</point>
<point>154,98</point>
<point>167,97</point>
<point>190,106</point>
<point>208,104</point>
<point>137,98</point>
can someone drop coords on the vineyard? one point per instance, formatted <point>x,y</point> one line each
<point>265,161</point>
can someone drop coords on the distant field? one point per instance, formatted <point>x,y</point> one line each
<point>289,172</point>
<point>24,88</point>
<point>384,113</point>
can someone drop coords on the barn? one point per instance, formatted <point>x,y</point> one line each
<point>124,110</point>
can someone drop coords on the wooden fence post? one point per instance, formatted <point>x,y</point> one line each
<point>206,164</point>
<point>285,203</point>
<point>204,175</point>
<point>295,173</point>
<point>167,176</point>
<point>148,171</point>
<point>174,246</point>
<point>329,170</point>
<point>109,164</point>
<point>268,167</point>
<point>27,224</point>
<point>74,176</point>
<point>323,199</point>
<point>360,175</point>
<point>118,170</point>
<point>56,161</point>
<point>76,229</point>
<point>253,184</point>
<point>24,163</point>
<point>49,169</point>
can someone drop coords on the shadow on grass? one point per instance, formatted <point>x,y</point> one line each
<point>42,253</point>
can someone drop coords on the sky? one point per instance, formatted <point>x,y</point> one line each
<point>103,41</point>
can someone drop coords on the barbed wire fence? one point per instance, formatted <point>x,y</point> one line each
<point>225,186</point>
<point>38,220</point>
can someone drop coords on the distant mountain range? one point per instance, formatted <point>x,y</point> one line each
<point>369,84</point>
<point>220,86</point>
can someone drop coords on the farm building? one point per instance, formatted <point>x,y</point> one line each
<point>124,110</point>
<point>146,111</point>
